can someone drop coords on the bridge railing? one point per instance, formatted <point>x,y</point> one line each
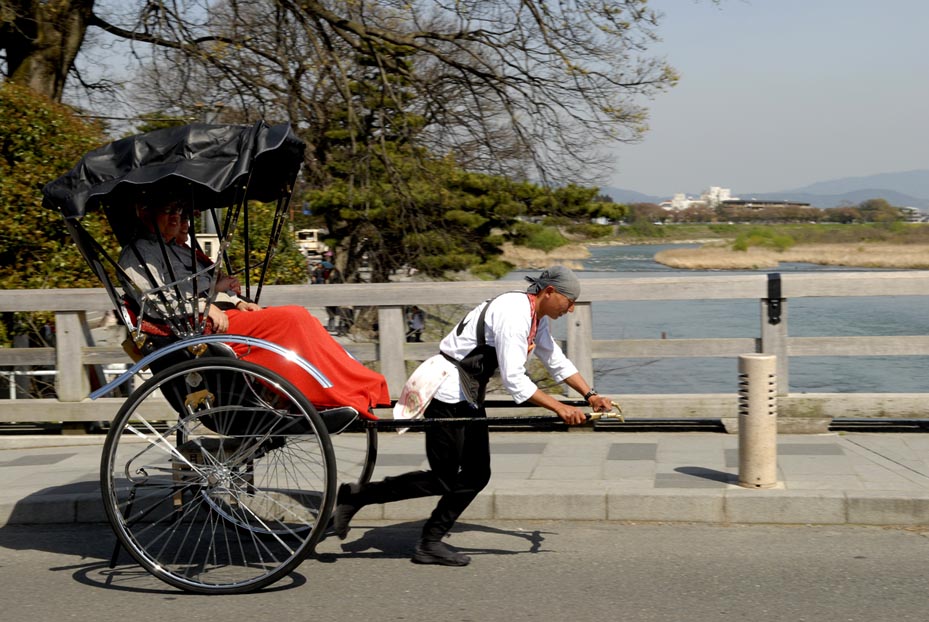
<point>75,354</point>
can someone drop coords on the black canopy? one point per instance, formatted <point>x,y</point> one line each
<point>211,164</point>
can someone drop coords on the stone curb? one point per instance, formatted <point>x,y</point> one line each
<point>720,507</point>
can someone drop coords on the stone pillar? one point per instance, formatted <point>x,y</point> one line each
<point>757,420</point>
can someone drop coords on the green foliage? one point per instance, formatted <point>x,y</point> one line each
<point>609,210</point>
<point>385,198</point>
<point>157,121</point>
<point>539,237</point>
<point>39,141</point>
<point>765,238</point>
<point>879,210</point>
<point>427,213</point>
<point>493,269</point>
<point>591,230</point>
<point>643,229</point>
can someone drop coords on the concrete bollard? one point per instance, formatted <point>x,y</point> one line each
<point>757,420</point>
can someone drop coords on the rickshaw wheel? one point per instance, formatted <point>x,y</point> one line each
<point>218,476</point>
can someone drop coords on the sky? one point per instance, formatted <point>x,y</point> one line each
<point>778,94</point>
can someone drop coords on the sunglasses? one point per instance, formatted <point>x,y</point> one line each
<point>170,209</point>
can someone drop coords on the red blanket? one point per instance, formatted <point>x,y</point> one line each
<point>296,329</point>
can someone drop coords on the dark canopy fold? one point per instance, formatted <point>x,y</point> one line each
<point>210,164</point>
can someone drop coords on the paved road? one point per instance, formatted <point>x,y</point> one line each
<point>521,570</point>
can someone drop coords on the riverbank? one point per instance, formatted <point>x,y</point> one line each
<point>524,258</point>
<point>714,255</point>
<point>718,257</point>
<point>898,246</point>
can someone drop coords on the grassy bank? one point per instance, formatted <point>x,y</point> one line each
<point>712,257</point>
<point>746,247</point>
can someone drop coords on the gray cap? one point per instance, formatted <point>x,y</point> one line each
<point>559,277</point>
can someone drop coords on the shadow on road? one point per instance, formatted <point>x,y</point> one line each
<point>398,541</point>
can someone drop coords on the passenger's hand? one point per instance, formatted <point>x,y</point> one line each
<point>244,305</point>
<point>219,318</point>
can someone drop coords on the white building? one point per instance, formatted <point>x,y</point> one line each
<point>710,198</point>
<point>716,195</point>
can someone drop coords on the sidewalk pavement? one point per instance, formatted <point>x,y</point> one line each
<point>835,478</point>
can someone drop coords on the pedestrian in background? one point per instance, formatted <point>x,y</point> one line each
<point>416,322</point>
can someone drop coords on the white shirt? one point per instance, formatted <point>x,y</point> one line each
<point>507,326</point>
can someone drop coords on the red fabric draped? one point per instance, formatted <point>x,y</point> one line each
<point>296,329</point>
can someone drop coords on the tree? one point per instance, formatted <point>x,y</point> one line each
<point>844,215</point>
<point>498,83</point>
<point>647,213</point>
<point>523,89</point>
<point>696,213</point>
<point>41,40</point>
<point>35,248</point>
<point>879,210</point>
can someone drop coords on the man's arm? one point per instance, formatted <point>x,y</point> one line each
<point>572,415</point>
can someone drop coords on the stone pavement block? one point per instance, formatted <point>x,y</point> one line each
<point>419,509</point>
<point>45,509</point>
<point>513,464</point>
<point>370,512</point>
<point>814,465</point>
<point>826,482</point>
<point>563,473</point>
<point>585,460</point>
<point>666,505</point>
<point>408,509</point>
<point>888,508</point>
<point>563,504</point>
<point>785,507</point>
<point>6,513</point>
<point>90,509</point>
<point>615,470</point>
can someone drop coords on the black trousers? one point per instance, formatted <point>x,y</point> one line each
<point>459,462</point>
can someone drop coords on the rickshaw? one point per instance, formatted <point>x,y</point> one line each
<point>217,475</point>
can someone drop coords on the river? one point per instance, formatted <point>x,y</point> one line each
<point>808,317</point>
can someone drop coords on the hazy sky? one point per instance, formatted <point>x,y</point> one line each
<point>778,94</point>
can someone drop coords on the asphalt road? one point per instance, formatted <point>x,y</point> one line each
<point>540,571</point>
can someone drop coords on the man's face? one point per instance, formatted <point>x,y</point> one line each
<point>555,304</point>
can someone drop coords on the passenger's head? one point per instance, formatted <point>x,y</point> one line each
<point>557,288</point>
<point>165,218</point>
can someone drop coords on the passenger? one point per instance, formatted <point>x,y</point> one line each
<point>150,264</point>
<point>500,333</point>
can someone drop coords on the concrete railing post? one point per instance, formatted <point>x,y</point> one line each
<point>757,420</point>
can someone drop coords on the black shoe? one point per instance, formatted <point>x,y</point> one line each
<point>344,511</point>
<point>431,552</point>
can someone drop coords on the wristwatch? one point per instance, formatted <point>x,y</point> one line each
<point>589,395</point>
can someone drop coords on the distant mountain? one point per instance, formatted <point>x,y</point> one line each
<point>852,197</point>
<point>620,195</point>
<point>912,183</point>
<point>903,189</point>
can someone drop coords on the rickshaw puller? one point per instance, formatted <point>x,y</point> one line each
<point>497,334</point>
